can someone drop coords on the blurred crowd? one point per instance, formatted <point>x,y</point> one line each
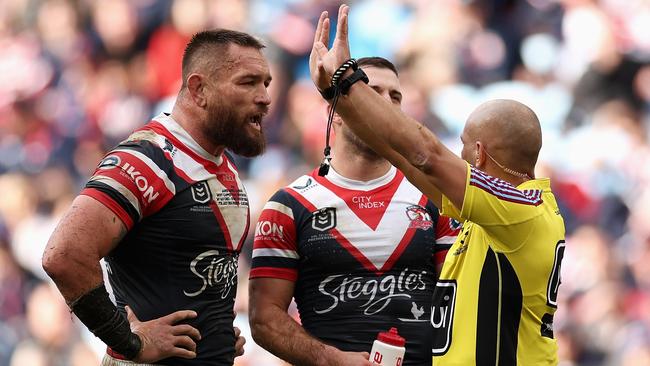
<point>77,75</point>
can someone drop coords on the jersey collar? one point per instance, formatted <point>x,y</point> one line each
<point>179,132</point>
<point>358,185</point>
<point>541,183</point>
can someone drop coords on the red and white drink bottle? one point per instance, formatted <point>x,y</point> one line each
<point>388,349</point>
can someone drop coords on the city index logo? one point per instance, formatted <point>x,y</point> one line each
<point>269,229</point>
<point>140,181</point>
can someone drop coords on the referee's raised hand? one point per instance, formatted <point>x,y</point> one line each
<point>164,337</point>
<point>323,61</point>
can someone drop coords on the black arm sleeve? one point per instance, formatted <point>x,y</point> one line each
<point>98,313</point>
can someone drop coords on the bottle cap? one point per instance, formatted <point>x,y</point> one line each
<point>391,337</point>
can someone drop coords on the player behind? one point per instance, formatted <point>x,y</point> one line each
<point>357,249</point>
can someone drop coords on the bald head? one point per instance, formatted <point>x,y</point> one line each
<point>508,130</point>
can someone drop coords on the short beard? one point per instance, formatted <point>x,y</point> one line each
<point>225,128</point>
<point>358,146</point>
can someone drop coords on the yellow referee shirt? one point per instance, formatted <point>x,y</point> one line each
<point>497,293</point>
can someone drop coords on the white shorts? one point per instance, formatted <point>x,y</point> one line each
<point>111,361</point>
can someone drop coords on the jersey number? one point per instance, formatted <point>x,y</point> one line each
<point>554,281</point>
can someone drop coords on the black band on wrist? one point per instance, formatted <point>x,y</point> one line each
<point>102,318</point>
<point>328,93</point>
<point>331,91</point>
<point>357,75</point>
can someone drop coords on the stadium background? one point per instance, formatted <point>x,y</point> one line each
<point>77,76</point>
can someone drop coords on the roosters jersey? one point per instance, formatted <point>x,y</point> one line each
<point>497,293</point>
<point>187,216</point>
<point>362,255</point>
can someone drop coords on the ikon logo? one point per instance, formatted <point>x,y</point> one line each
<point>201,192</point>
<point>268,228</point>
<point>324,219</point>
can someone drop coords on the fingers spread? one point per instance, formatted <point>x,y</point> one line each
<point>319,26</point>
<point>241,341</point>
<point>182,353</point>
<point>320,50</point>
<point>180,315</point>
<point>342,25</point>
<point>188,330</point>
<point>325,35</point>
<point>239,346</point>
<point>185,342</point>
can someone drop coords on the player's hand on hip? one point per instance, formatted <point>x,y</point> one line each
<point>239,342</point>
<point>323,62</point>
<point>164,337</point>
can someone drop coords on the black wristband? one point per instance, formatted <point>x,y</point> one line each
<point>328,93</point>
<point>102,318</point>
<point>357,75</point>
<point>331,91</point>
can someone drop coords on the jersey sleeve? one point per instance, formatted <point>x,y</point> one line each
<point>500,208</point>
<point>447,230</point>
<point>275,252</point>
<point>132,181</point>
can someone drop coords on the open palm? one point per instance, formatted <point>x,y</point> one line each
<point>323,62</point>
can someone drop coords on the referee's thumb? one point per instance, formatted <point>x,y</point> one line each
<point>130,315</point>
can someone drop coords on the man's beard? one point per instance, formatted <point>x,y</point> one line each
<point>358,145</point>
<point>227,129</point>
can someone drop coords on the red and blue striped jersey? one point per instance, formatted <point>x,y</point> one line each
<point>362,255</point>
<point>187,217</point>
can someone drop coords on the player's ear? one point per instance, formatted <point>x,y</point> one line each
<point>479,158</point>
<point>196,88</point>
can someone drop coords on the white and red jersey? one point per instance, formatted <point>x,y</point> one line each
<point>363,256</point>
<point>187,214</point>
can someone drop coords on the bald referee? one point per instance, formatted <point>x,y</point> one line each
<point>497,293</point>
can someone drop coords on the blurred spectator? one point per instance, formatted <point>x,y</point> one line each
<point>77,75</point>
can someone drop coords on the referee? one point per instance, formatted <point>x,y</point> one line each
<point>497,293</point>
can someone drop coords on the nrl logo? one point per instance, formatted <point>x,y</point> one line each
<point>201,192</point>
<point>324,219</point>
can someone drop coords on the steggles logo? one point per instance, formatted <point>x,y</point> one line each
<point>214,270</point>
<point>378,292</point>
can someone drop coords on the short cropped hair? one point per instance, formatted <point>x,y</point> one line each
<point>213,39</point>
<point>378,62</point>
